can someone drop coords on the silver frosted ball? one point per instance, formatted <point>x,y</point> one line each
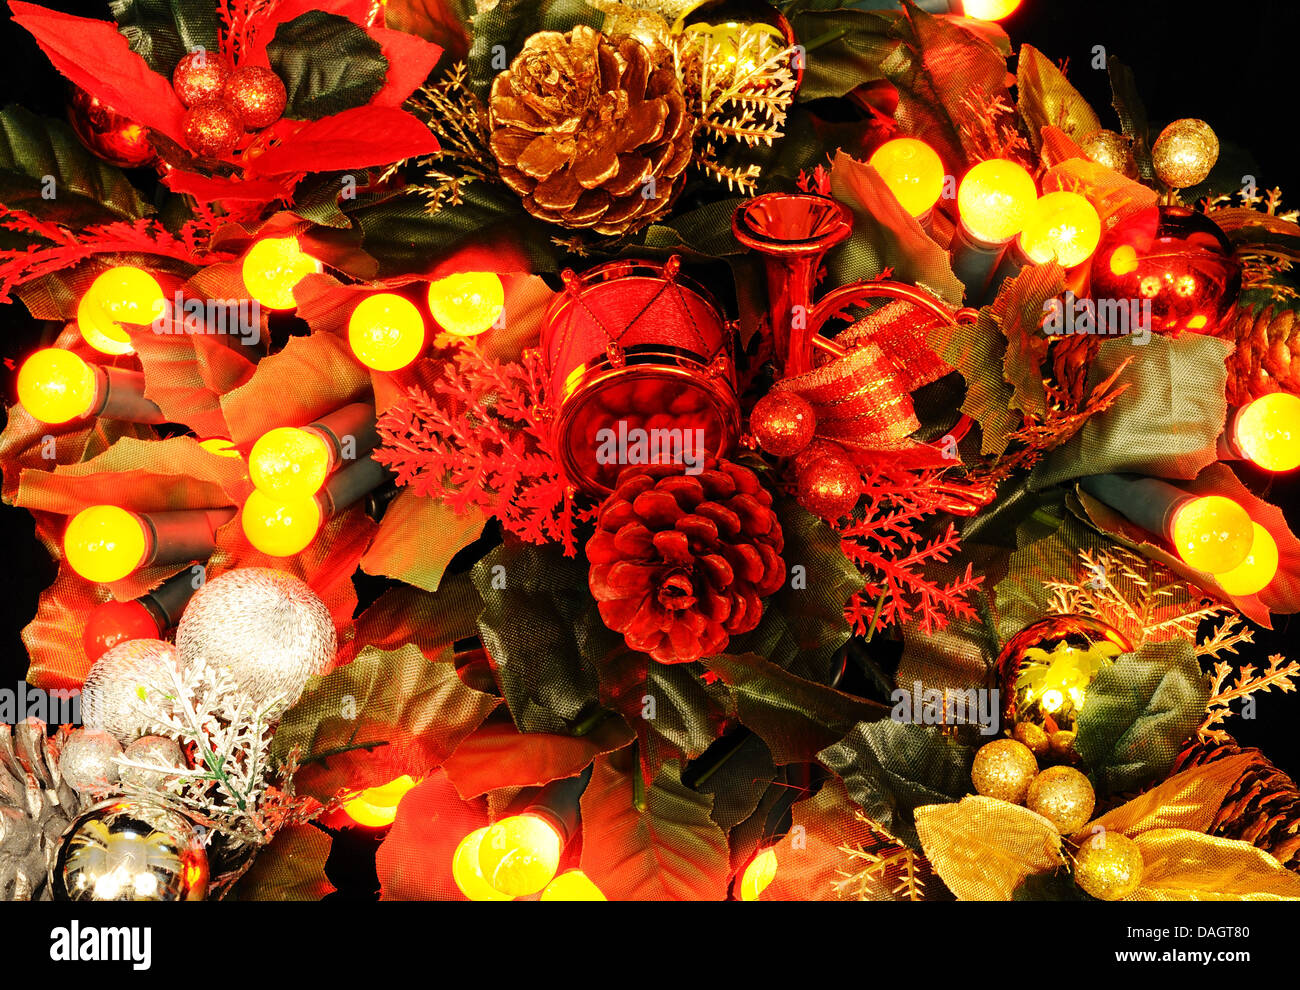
<point>158,751</point>
<point>113,697</point>
<point>87,762</point>
<point>268,629</point>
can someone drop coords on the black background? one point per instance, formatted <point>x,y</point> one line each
<point>1232,64</point>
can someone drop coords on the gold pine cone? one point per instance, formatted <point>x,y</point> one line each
<point>583,124</point>
<point>1108,866</point>
<point>1267,358</point>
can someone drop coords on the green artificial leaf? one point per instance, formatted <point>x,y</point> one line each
<point>1046,98</point>
<point>1057,885</point>
<point>738,784</point>
<point>845,48</point>
<point>978,350</point>
<point>327,64</point>
<point>1140,711</point>
<point>421,562</point>
<point>704,232</point>
<point>1132,116</point>
<point>1023,596</point>
<point>162,31</point>
<point>664,846</point>
<point>47,172</point>
<point>500,33</point>
<point>892,768</point>
<point>291,868</point>
<point>1018,311</point>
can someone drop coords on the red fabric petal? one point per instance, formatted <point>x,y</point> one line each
<point>410,60</point>
<point>358,138</point>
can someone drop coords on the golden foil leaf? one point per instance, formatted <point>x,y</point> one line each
<point>1047,98</point>
<point>1188,866</point>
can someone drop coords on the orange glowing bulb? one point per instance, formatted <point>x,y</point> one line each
<point>467,304</point>
<point>760,872</point>
<point>520,854</point>
<point>572,885</point>
<point>989,10</point>
<point>56,386</point>
<point>386,332</point>
<point>912,171</point>
<point>994,200</point>
<point>465,870</point>
<point>288,463</point>
<point>280,527</point>
<point>124,294</point>
<point>105,543</point>
<point>1212,533</point>
<point>273,267</point>
<point>1267,431</point>
<point>1062,227</point>
<point>1254,573</point>
<point>376,807</point>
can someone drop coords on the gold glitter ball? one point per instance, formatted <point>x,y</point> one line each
<point>1112,150</point>
<point>1033,736</point>
<point>1063,796</point>
<point>1061,746</point>
<point>1108,866</point>
<point>1185,153</point>
<point>1004,769</point>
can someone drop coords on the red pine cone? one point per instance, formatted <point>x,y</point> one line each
<point>679,562</point>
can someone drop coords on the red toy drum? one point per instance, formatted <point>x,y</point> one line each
<point>640,365</point>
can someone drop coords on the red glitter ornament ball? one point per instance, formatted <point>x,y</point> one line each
<point>256,95</point>
<point>815,451</point>
<point>212,131</point>
<point>199,78</point>
<point>829,488</point>
<point>115,622</point>
<point>783,422</point>
<point>118,140</point>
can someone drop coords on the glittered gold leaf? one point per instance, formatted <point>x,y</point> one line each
<point>1179,865</point>
<point>1047,98</point>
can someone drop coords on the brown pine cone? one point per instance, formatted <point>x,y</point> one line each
<point>581,125</point>
<point>679,562</point>
<point>1267,358</point>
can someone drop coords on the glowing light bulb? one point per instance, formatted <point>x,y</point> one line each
<point>116,622</point>
<point>1212,533</point>
<point>760,872</point>
<point>1062,227</point>
<point>280,527</point>
<point>221,447</point>
<point>520,854</point>
<point>386,332</point>
<point>469,304</point>
<point>912,171</point>
<point>572,885</point>
<point>1259,568</point>
<point>465,870</point>
<point>124,294</point>
<point>994,200</point>
<point>376,807</point>
<point>288,463</point>
<point>56,386</point>
<point>105,543</point>
<point>989,10</point>
<point>273,267</point>
<point>1268,431</point>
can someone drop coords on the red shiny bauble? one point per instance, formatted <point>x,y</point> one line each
<point>114,138</point>
<point>116,622</point>
<point>199,78</point>
<point>212,130</point>
<point>1168,264</point>
<point>256,95</point>
<point>829,488</point>
<point>783,422</point>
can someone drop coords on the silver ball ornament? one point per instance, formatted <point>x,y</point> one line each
<point>268,629</point>
<point>87,762</point>
<point>157,751</point>
<point>112,699</point>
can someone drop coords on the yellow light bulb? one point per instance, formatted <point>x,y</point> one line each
<point>1212,533</point>
<point>989,10</point>
<point>104,543</point>
<point>99,331</point>
<point>1259,568</point>
<point>912,171</point>
<point>468,304</point>
<point>278,527</point>
<point>56,386</point>
<point>760,872</point>
<point>288,463</point>
<point>386,332</point>
<point>465,870</point>
<point>376,807</point>
<point>1268,431</point>
<point>572,885</point>
<point>124,294</point>
<point>1062,227</point>
<point>520,854</point>
<point>994,200</point>
<point>273,267</point>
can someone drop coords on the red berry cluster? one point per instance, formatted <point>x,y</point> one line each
<point>224,103</point>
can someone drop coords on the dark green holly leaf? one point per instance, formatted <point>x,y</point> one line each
<point>1055,886</point>
<point>845,48</point>
<point>738,781</point>
<point>327,65</point>
<point>162,31</point>
<point>500,33</point>
<point>291,868</point>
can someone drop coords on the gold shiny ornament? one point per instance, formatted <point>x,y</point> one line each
<point>1032,736</point>
<point>87,762</point>
<point>126,851</point>
<point>1004,769</point>
<point>1108,866</point>
<point>1185,153</point>
<point>1063,796</point>
<point>113,697</point>
<point>1112,150</point>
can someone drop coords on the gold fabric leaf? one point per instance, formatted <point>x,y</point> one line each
<point>1179,865</point>
<point>982,848</point>
<point>1047,98</point>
